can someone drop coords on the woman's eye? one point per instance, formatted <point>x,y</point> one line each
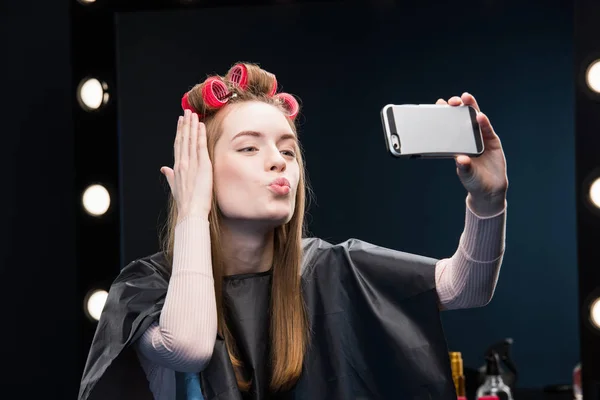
<point>248,149</point>
<point>288,153</point>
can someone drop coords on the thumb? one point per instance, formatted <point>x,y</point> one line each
<point>170,175</point>
<point>464,166</point>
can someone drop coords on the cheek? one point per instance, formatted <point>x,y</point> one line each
<point>226,178</point>
<point>294,172</point>
<point>234,184</point>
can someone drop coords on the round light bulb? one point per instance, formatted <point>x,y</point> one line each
<point>95,303</point>
<point>92,94</point>
<point>96,200</point>
<point>595,192</point>
<point>592,76</point>
<point>595,313</point>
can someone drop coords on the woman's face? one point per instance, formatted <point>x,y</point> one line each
<point>256,171</point>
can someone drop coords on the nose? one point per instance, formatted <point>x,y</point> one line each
<point>275,161</point>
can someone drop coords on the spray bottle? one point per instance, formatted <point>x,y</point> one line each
<point>509,373</point>
<point>493,384</point>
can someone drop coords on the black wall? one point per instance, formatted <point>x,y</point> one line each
<point>39,328</point>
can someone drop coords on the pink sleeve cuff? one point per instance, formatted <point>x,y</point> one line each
<point>483,239</point>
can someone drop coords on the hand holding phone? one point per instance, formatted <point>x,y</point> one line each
<point>431,131</point>
<point>483,174</point>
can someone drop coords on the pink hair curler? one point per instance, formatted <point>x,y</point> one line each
<point>185,104</point>
<point>215,92</point>
<point>238,76</point>
<point>290,104</point>
<point>274,88</point>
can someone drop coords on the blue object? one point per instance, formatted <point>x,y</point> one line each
<point>188,386</point>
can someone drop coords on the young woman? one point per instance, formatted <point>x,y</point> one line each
<point>238,305</point>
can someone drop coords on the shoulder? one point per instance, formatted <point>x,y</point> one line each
<point>355,263</point>
<point>152,265</point>
<point>361,254</point>
<point>314,247</point>
<point>318,251</point>
<point>149,275</point>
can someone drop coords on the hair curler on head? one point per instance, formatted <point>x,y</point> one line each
<point>274,88</point>
<point>185,103</point>
<point>215,92</point>
<point>238,76</point>
<point>290,104</point>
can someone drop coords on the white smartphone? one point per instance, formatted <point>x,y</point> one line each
<point>431,131</point>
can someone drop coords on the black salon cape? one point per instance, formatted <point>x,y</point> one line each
<point>374,319</point>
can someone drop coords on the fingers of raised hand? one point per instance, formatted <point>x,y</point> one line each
<point>184,148</point>
<point>168,173</point>
<point>455,101</point>
<point>465,99</point>
<point>193,150</point>
<point>469,100</point>
<point>202,145</point>
<point>485,125</point>
<point>177,143</point>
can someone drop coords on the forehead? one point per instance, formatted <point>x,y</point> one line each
<point>255,116</point>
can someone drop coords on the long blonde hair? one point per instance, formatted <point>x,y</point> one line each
<point>288,323</point>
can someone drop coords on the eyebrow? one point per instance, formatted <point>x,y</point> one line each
<point>285,136</point>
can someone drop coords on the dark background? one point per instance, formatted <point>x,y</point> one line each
<point>38,331</point>
<point>344,63</point>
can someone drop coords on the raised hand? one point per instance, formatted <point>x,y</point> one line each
<point>191,179</point>
<point>484,177</point>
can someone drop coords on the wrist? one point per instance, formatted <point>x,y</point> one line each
<point>487,206</point>
<point>191,216</point>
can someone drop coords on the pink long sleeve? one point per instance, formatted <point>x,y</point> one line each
<point>468,279</point>
<point>183,338</point>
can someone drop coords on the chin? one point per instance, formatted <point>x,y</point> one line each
<point>278,219</point>
<point>270,217</point>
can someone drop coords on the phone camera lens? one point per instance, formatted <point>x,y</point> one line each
<point>395,142</point>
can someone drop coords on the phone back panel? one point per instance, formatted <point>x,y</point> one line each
<point>431,130</point>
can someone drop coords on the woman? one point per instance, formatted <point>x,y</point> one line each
<point>239,306</point>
